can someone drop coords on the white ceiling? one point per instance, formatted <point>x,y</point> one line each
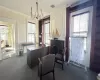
<point>23,6</point>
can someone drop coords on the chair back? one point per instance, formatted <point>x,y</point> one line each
<point>55,50</point>
<point>47,63</point>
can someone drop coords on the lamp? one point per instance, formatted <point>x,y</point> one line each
<point>55,34</point>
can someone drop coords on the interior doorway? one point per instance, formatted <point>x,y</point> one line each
<point>7,40</point>
<point>80,37</point>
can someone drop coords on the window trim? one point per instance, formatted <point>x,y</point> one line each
<point>90,9</point>
<point>31,22</point>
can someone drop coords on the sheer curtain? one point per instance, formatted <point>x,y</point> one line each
<point>77,50</point>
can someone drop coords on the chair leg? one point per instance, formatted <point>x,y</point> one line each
<point>40,77</point>
<point>63,66</point>
<point>53,75</point>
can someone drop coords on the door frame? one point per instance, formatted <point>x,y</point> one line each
<point>84,10</point>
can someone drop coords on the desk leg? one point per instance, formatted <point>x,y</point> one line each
<point>23,49</point>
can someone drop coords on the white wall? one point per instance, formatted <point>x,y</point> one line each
<point>58,20</point>
<point>19,20</point>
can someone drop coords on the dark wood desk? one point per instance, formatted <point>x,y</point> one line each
<point>33,53</point>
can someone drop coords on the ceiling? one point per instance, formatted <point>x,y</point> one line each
<point>23,6</point>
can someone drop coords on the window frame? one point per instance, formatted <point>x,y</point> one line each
<point>46,22</point>
<point>30,32</point>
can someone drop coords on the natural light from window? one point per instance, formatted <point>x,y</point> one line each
<point>81,25</point>
<point>31,33</point>
<point>47,33</point>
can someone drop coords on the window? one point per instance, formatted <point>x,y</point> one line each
<point>47,33</point>
<point>80,28</point>
<point>3,35</point>
<point>81,25</point>
<point>31,32</point>
<point>4,32</point>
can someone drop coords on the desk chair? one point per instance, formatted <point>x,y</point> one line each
<point>46,65</point>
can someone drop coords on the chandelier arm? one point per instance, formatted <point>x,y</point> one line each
<point>37,8</point>
<point>34,16</point>
<point>41,12</point>
<point>31,12</point>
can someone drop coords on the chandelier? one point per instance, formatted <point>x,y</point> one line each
<point>38,14</point>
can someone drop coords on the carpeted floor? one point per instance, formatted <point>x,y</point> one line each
<point>16,69</point>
